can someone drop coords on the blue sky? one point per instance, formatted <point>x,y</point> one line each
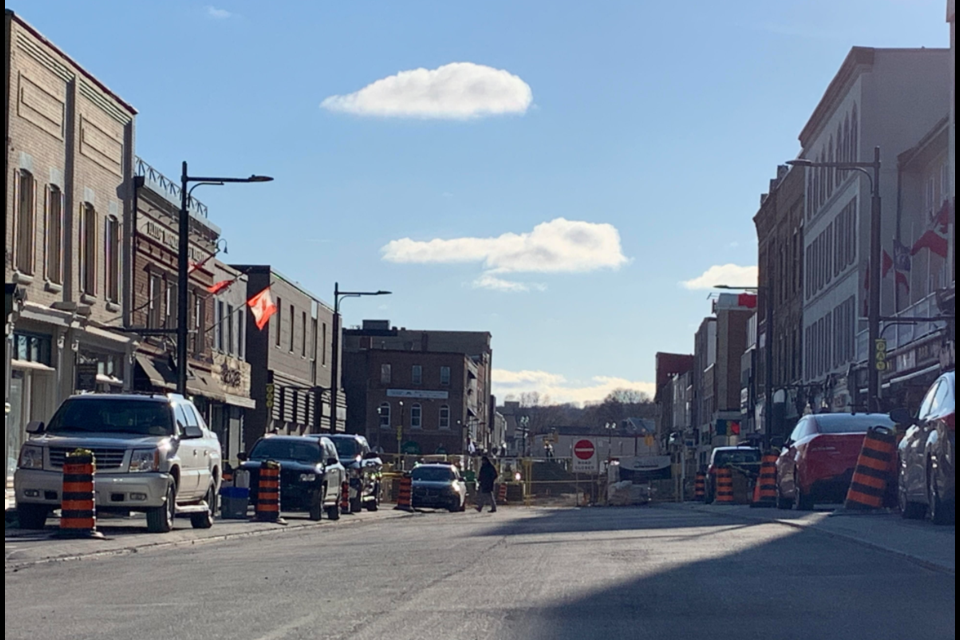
<point>623,144</point>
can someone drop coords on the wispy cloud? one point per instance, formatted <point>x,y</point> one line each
<point>557,246</point>
<point>456,91</point>
<point>728,274</point>
<point>560,390</point>
<point>218,14</point>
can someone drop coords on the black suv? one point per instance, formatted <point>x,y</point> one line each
<point>310,473</point>
<point>364,471</point>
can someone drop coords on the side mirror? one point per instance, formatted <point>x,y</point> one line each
<point>902,417</point>
<point>242,456</point>
<point>192,432</point>
<point>332,461</point>
<point>777,443</point>
<point>34,427</point>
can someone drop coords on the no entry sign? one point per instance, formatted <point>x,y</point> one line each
<point>585,459</point>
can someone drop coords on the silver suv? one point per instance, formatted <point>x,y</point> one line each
<point>154,454</point>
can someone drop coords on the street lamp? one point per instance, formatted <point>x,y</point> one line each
<point>768,377</point>
<point>872,171</point>
<point>183,262</point>
<point>335,364</point>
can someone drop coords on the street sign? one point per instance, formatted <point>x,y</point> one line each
<point>585,459</point>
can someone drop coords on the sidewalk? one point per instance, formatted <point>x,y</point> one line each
<point>129,535</point>
<point>931,546</point>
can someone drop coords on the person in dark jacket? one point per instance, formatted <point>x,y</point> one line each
<point>487,479</point>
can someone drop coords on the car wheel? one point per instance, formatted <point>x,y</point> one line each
<point>801,501</point>
<point>333,512</point>
<point>316,506</point>
<point>205,520</point>
<point>782,503</point>
<point>939,511</point>
<point>356,505</point>
<point>160,519</point>
<point>908,510</point>
<point>374,503</point>
<point>32,516</point>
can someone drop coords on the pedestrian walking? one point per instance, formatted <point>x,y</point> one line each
<point>487,479</point>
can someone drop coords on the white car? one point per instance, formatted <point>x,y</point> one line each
<point>153,453</point>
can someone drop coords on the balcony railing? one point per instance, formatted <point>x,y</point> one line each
<point>168,188</point>
<point>901,335</point>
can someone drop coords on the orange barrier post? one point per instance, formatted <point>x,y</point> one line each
<point>345,497</point>
<point>502,494</point>
<point>700,487</point>
<point>724,486</point>
<point>78,510</point>
<point>268,492</point>
<point>405,496</point>
<point>873,471</point>
<point>765,491</point>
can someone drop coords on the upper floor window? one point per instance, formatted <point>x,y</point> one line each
<point>386,374</point>
<point>293,328</point>
<point>279,317</point>
<point>384,413</point>
<point>54,240</point>
<point>199,326</point>
<point>416,416</point>
<point>231,332</point>
<point>416,374</point>
<point>444,417</point>
<point>172,300</point>
<point>88,249</point>
<point>25,228</point>
<point>112,259</point>
<point>155,293</point>
<point>218,328</point>
<point>445,376</point>
<point>303,337</point>
<point>323,346</point>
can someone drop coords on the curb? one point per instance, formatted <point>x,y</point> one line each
<point>14,566</point>
<point>926,564</point>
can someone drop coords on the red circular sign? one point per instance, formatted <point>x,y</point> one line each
<point>584,449</point>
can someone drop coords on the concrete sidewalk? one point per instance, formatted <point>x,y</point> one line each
<point>922,542</point>
<point>129,535</point>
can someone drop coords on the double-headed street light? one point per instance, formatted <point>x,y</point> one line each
<point>872,171</point>
<point>767,291</point>
<point>183,262</point>
<point>338,296</point>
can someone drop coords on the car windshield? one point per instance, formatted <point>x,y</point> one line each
<point>433,474</point>
<point>740,456</point>
<point>845,423</point>
<point>135,417</point>
<point>347,448</point>
<point>284,449</point>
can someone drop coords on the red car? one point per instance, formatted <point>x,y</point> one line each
<point>817,461</point>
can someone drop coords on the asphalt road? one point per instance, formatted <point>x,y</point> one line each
<point>520,574</point>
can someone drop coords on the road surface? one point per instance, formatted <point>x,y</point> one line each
<point>520,574</point>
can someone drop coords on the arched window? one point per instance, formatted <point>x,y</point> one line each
<point>384,412</point>
<point>416,416</point>
<point>54,258</point>
<point>25,228</point>
<point>88,249</point>
<point>444,417</point>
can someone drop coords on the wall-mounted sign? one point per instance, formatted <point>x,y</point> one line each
<point>418,394</point>
<point>87,376</point>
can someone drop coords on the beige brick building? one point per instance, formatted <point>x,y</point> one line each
<point>69,165</point>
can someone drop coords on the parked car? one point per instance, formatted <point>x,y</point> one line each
<point>364,471</point>
<point>154,454</point>
<point>926,456</point>
<point>724,457</point>
<point>310,473</point>
<point>439,486</point>
<point>816,462</point>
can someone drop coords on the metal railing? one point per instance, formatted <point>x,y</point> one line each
<point>167,188</point>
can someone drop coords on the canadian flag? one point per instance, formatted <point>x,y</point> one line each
<point>262,306</point>
<point>222,285</point>
<point>935,239</point>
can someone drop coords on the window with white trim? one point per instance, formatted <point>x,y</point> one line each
<point>416,416</point>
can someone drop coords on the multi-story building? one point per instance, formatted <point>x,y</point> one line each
<point>949,356</point>
<point>780,233</point>
<point>363,381</point>
<point>668,365</point>
<point>290,360</point>
<point>69,166</point>
<point>702,400</point>
<point>886,98</point>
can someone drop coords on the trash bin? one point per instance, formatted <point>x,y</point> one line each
<point>234,502</point>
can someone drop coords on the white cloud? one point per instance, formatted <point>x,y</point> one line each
<point>560,390</point>
<point>219,14</point>
<point>456,91</point>
<point>558,246</point>
<point>729,274</point>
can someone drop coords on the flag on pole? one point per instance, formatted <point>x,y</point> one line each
<point>217,287</point>
<point>262,306</point>
<point>935,238</point>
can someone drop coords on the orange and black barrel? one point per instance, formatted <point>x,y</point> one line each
<point>405,496</point>
<point>502,494</point>
<point>345,497</point>
<point>765,492</point>
<point>873,472</point>
<point>268,492</point>
<point>724,486</point>
<point>700,487</point>
<point>78,510</point>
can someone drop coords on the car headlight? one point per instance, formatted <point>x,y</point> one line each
<point>308,477</point>
<point>31,457</point>
<point>144,460</point>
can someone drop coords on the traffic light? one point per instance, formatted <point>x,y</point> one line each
<point>881,348</point>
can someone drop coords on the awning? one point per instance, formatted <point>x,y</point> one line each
<point>162,375</point>
<point>240,401</point>
<point>912,376</point>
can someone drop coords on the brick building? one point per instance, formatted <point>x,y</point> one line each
<point>668,366</point>
<point>780,227</point>
<point>425,349</point>
<point>290,359</point>
<point>69,166</point>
